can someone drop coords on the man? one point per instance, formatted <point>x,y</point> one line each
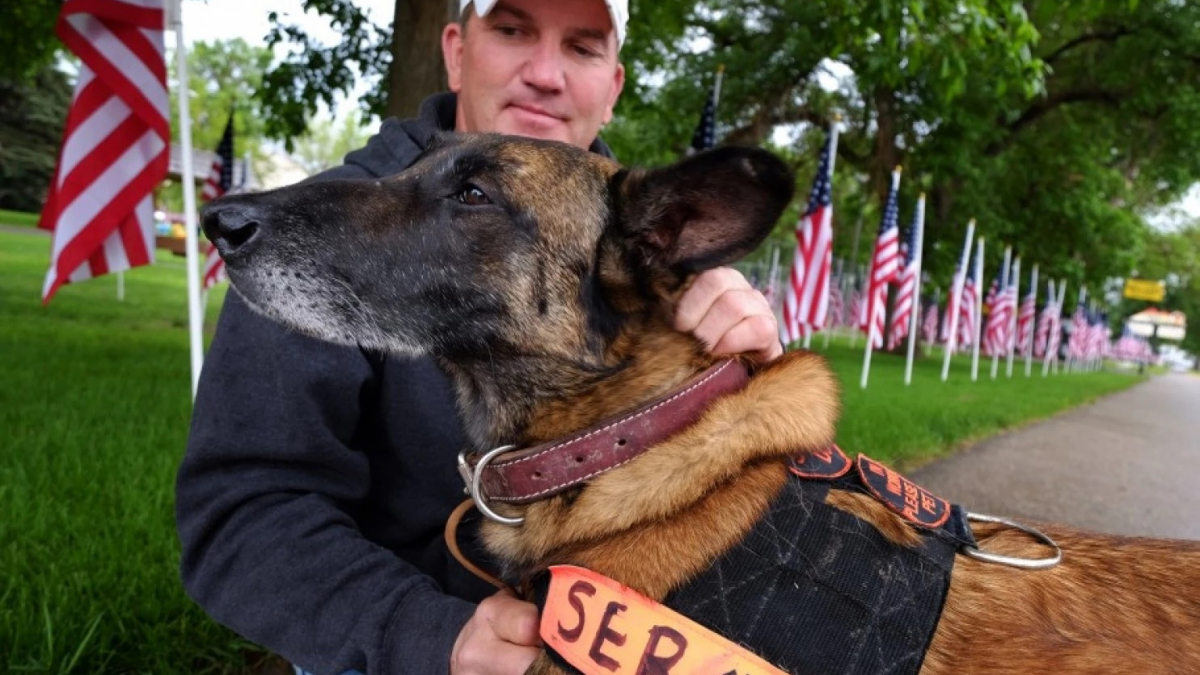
<point>317,480</point>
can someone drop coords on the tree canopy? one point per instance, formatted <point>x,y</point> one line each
<point>1056,125</point>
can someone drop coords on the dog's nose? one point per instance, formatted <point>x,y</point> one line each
<point>232,226</point>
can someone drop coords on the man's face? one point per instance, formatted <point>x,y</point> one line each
<point>538,68</point>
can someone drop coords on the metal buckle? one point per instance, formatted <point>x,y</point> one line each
<point>1021,563</point>
<point>474,478</point>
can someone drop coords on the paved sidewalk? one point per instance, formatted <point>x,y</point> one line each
<point>1129,464</point>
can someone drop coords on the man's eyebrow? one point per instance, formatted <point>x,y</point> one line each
<point>505,8</point>
<point>502,7</point>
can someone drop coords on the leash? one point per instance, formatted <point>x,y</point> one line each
<point>451,534</point>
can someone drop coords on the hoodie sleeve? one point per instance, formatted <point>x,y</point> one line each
<point>263,499</point>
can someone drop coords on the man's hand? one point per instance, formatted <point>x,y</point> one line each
<point>723,310</point>
<point>500,639</point>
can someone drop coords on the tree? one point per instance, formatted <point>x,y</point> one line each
<point>326,143</point>
<point>222,79</point>
<point>27,39</point>
<point>32,116</point>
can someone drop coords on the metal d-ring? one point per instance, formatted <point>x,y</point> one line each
<point>476,488</point>
<point>1022,563</point>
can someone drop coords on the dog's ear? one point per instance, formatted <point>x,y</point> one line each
<point>707,210</point>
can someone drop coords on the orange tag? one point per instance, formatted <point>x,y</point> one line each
<point>828,463</point>
<point>916,504</point>
<point>604,628</point>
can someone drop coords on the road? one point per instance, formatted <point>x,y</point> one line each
<point>1128,464</point>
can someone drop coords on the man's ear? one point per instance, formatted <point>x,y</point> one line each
<point>452,49</point>
<point>707,210</point>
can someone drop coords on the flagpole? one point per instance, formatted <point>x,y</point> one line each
<point>195,325</point>
<point>120,285</point>
<point>1033,289</point>
<point>978,309</point>
<point>1003,289</point>
<point>873,307</point>
<point>1010,341</point>
<point>915,315</point>
<point>957,289</point>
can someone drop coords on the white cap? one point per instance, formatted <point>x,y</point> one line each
<point>617,9</point>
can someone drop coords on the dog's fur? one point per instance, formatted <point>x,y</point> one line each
<point>543,280</point>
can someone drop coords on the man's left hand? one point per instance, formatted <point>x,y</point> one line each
<point>723,310</point>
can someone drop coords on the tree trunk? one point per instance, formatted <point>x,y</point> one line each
<point>417,70</point>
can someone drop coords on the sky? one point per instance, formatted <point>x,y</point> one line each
<point>227,19</point>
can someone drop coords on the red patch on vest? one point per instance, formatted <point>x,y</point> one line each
<point>828,463</point>
<point>913,502</point>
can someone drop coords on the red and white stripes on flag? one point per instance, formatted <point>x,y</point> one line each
<point>101,205</point>
<point>807,301</point>
<point>885,265</point>
<point>966,311</point>
<point>214,267</point>
<point>999,320</point>
<point>906,286</point>
<point>929,327</point>
<point>1025,319</point>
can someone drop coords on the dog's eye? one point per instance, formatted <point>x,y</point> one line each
<point>473,196</point>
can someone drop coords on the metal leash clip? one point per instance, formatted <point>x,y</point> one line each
<point>1020,563</point>
<point>473,477</point>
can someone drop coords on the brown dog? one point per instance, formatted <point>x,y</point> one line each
<point>542,279</point>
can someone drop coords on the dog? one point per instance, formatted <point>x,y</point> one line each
<point>542,279</point>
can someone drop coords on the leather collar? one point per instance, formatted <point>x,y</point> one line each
<point>534,473</point>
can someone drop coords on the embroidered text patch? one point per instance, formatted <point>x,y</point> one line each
<point>916,504</point>
<point>828,463</point>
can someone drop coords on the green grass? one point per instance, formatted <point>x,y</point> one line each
<point>18,218</point>
<point>94,408</point>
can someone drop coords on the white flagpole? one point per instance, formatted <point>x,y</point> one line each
<point>978,308</point>
<point>120,285</point>
<point>873,310</point>
<point>956,301</point>
<point>1033,288</point>
<point>916,316</point>
<point>1010,342</point>
<point>195,316</point>
<point>1003,288</point>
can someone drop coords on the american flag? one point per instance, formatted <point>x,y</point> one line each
<point>906,287</point>
<point>885,265</point>
<point>114,153</point>
<point>1045,322</point>
<point>807,300</point>
<point>966,311</point>
<point>220,176</point>
<point>1078,342</point>
<point>929,329</point>
<point>857,309</point>
<point>1000,308</point>
<point>705,135</point>
<point>952,303</point>
<point>837,306</point>
<point>219,182</point>
<point>1025,323</point>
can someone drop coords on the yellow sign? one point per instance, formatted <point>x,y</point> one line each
<point>1145,289</point>
<point>604,628</point>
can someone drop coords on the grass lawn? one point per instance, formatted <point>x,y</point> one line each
<point>94,409</point>
<point>18,218</point>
